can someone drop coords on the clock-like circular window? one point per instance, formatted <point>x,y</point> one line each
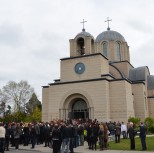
<point>79,68</point>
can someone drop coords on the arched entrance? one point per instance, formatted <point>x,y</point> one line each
<point>79,110</point>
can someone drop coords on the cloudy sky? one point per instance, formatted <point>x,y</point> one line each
<point>34,34</point>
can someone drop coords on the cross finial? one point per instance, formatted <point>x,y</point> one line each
<point>108,20</point>
<point>83,24</point>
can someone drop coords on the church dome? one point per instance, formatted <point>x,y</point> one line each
<point>83,34</point>
<point>150,82</point>
<point>109,35</point>
<point>139,73</point>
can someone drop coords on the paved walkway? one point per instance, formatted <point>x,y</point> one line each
<point>81,149</point>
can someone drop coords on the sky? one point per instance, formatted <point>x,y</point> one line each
<point>34,34</point>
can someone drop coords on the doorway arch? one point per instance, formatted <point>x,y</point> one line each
<point>69,99</point>
<point>79,109</point>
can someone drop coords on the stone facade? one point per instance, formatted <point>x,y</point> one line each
<point>98,81</point>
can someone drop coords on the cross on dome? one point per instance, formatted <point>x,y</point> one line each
<point>83,24</point>
<point>108,20</point>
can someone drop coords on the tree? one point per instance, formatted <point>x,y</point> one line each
<point>36,115</point>
<point>32,103</point>
<point>18,94</point>
<point>3,101</point>
<point>8,111</point>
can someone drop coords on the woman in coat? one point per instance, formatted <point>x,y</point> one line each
<point>105,136</point>
<point>117,133</point>
<point>17,133</point>
<point>101,136</point>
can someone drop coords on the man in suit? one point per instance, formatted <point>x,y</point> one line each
<point>143,136</point>
<point>131,136</point>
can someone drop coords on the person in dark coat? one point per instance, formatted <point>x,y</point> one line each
<point>89,135</point>
<point>7,136</point>
<point>33,136</point>
<point>12,135</point>
<point>41,133</point>
<point>143,136</point>
<point>26,134</point>
<point>81,134</point>
<point>46,132</point>
<point>131,133</point>
<point>111,127</point>
<point>72,133</point>
<point>67,134</point>
<point>75,127</point>
<point>17,133</point>
<point>117,133</point>
<point>56,139</point>
<point>37,129</point>
<point>94,137</point>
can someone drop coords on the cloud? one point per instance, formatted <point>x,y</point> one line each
<point>10,35</point>
<point>34,35</point>
<point>144,55</point>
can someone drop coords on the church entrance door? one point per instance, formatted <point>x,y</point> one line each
<point>79,110</point>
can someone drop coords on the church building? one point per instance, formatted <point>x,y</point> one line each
<point>97,81</point>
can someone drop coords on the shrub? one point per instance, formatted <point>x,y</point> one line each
<point>151,129</point>
<point>135,120</point>
<point>149,122</point>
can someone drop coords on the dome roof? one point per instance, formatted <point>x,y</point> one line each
<point>83,33</point>
<point>139,73</point>
<point>150,82</point>
<point>110,35</point>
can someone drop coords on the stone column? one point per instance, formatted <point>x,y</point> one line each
<point>61,113</point>
<point>92,112</point>
<point>89,109</point>
<point>66,114</point>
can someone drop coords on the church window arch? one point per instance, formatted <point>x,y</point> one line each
<point>92,46</point>
<point>105,48</point>
<point>79,109</point>
<point>79,105</point>
<point>81,46</point>
<point>118,48</point>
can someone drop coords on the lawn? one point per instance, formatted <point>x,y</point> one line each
<point>125,144</point>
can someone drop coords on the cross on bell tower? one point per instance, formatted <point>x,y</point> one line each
<point>108,20</point>
<point>83,24</point>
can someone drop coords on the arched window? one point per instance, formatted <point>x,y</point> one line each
<point>105,49</point>
<point>80,45</point>
<point>118,51</point>
<point>79,105</point>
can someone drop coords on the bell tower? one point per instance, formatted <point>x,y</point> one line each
<point>82,44</point>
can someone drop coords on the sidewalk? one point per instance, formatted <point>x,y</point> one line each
<point>81,149</point>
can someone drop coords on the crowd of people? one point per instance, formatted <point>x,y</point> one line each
<point>64,136</point>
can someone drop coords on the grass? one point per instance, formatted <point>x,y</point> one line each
<point>125,144</point>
